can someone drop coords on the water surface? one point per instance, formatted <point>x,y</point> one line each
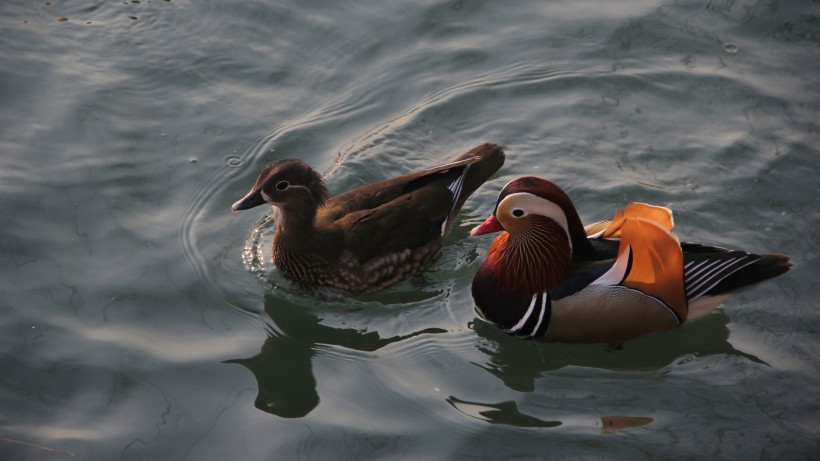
<point>140,319</point>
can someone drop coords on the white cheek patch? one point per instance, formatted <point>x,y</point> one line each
<point>533,204</point>
<point>265,196</point>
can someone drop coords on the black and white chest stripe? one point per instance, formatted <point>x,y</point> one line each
<point>536,318</point>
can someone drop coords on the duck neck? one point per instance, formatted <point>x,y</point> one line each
<point>581,248</point>
<point>532,261</point>
<point>294,235</point>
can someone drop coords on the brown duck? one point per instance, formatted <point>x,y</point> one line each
<point>370,237</point>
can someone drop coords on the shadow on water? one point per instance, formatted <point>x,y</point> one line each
<point>283,368</point>
<point>520,363</point>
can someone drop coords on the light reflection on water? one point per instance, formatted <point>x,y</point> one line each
<point>129,293</point>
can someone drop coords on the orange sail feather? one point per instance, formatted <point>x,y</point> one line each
<point>657,259</point>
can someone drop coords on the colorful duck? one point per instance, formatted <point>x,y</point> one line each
<point>547,276</point>
<point>372,236</point>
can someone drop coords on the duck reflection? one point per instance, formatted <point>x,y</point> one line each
<point>499,413</point>
<point>518,363</point>
<point>283,370</point>
<point>612,423</point>
<point>283,374</point>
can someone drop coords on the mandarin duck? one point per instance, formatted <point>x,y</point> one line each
<point>370,237</point>
<point>547,276</point>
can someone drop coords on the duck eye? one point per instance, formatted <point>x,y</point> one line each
<point>282,185</point>
<point>518,212</point>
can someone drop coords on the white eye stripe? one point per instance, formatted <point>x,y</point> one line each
<point>533,204</point>
<point>291,187</point>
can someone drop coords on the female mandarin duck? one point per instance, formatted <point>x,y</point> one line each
<point>547,276</point>
<point>370,237</point>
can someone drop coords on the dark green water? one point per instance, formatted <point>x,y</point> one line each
<point>140,319</point>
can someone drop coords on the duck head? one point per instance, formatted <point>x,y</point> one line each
<point>288,184</point>
<point>294,188</point>
<point>542,235</point>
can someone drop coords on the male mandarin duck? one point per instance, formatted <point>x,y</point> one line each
<point>547,276</point>
<point>372,236</point>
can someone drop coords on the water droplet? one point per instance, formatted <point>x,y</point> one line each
<point>193,160</point>
<point>610,101</point>
<point>233,161</point>
<point>730,48</point>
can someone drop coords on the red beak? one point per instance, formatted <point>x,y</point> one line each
<point>488,226</point>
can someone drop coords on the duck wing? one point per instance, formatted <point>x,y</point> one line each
<point>464,175</point>
<point>411,211</point>
<point>650,259</point>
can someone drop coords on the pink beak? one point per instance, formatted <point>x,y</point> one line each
<point>488,226</point>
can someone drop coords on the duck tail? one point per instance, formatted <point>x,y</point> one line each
<point>712,274</point>
<point>487,159</point>
<point>768,266</point>
<point>472,169</point>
